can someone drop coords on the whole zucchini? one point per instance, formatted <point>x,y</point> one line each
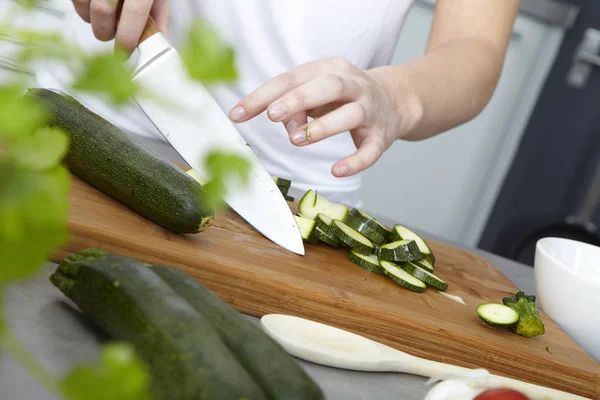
<point>115,163</point>
<point>271,366</point>
<point>186,357</point>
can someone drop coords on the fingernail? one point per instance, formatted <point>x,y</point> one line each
<point>291,126</point>
<point>237,113</point>
<point>299,137</point>
<point>343,170</point>
<point>277,111</point>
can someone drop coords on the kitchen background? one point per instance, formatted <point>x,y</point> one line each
<point>524,168</point>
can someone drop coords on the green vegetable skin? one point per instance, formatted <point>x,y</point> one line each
<point>530,323</point>
<point>271,366</point>
<point>129,302</point>
<point>110,160</point>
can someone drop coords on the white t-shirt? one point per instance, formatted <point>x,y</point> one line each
<point>270,37</point>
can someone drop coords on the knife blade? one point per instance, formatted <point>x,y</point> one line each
<point>193,123</point>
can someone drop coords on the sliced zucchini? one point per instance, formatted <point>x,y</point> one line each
<point>324,223</point>
<point>401,250</point>
<point>497,315</point>
<point>284,190</point>
<point>400,232</point>
<point>288,198</point>
<point>424,263</point>
<point>352,238</point>
<point>368,262</point>
<point>282,183</point>
<point>401,277</point>
<point>424,275</point>
<point>326,238</point>
<point>307,229</point>
<point>371,225</point>
<point>313,203</point>
<point>367,227</point>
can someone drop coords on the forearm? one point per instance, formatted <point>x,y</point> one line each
<point>448,86</point>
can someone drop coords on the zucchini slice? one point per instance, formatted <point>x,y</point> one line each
<point>313,203</point>
<point>326,238</point>
<point>307,229</point>
<point>401,250</point>
<point>401,277</point>
<point>282,183</point>
<point>424,263</point>
<point>324,223</point>
<point>400,232</point>
<point>367,226</point>
<point>288,198</point>
<point>368,262</point>
<point>352,238</point>
<point>497,315</point>
<point>424,275</point>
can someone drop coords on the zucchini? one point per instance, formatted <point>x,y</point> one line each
<point>401,277</point>
<point>401,250</point>
<point>323,222</point>
<point>530,322</point>
<point>119,166</point>
<point>400,232</point>
<point>352,238</point>
<point>370,262</point>
<point>367,225</point>
<point>281,182</point>
<point>288,198</point>
<point>272,367</point>
<point>424,263</point>
<point>497,315</point>
<point>201,180</point>
<point>185,355</point>
<point>424,275</point>
<point>312,203</point>
<point>326,238</point>
<point>284,190</point>
<point>307,228</point>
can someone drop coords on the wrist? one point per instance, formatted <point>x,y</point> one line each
<point>407,104</point>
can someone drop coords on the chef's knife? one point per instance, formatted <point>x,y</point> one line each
<point>193,123</point>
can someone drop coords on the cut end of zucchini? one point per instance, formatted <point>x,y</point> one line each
<point>497,315</point>
<point>424,275</point>
<point>197,177</point>
<point>400,232</point>
<point>307,228</point>
<point>368,262</point>
<point>312,204</point>
<point>205,223</point>
<point>352,238</point>
<point>402,277</point>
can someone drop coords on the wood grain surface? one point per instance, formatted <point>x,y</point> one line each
<point>257,277</point>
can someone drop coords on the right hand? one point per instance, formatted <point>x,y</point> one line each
<point>101,14</point>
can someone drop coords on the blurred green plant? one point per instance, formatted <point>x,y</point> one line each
<point>34,185</point>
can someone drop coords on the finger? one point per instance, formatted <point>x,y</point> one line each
<point>345,118</point>
<point>103,15</point>
<point>161,13</point>
<point>133,19</point>
<point>320,91</point>
<point>257,101</point>
<point>320,111</point>
<point>82,7</point>
<point>291,125</point>
<point>367,154</point>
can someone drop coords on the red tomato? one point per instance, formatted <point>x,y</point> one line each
<point>501,394</point>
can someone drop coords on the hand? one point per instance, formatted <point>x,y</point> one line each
<point>102,14</point>
<point>342,97</point>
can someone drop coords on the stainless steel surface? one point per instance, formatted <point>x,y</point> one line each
<point>61,338</point>
<point>552,12</point>
<point>190,119</point>
<point>586,59</point>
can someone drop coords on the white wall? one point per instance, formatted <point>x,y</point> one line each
<point>447,185</point>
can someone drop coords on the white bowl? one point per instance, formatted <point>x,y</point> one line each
<point>567,279</point>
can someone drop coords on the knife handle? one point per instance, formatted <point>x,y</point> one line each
<point>149,29</point>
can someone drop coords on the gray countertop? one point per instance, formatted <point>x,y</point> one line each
<point>58,335</point>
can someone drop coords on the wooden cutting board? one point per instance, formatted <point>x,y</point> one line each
<point>257,277</point>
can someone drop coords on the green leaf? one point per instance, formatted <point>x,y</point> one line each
<point>221,167</point>
<point>206,58</point>
<point>19,116</point>
<point>33,215</point>
<point>119,375</point>
<point>106,74</point>
<point>42,150</point>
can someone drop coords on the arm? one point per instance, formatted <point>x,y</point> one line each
<point>455,79</point>
<point>450,84</point>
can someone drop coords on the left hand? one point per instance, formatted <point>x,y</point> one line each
<point>342,97</point>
